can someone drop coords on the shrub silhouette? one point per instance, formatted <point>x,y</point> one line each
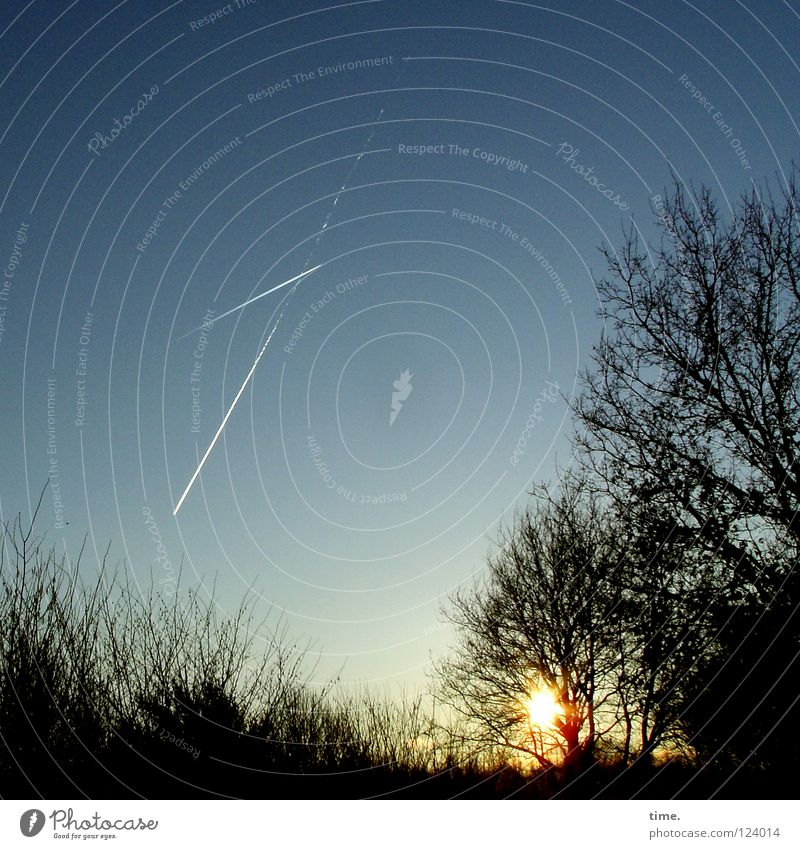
<point>108,691</point>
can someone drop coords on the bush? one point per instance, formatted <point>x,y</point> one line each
<point>107,691</point>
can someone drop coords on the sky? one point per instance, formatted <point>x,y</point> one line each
<point>453,168</point>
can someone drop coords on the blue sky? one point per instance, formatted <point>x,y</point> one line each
<point>453,167</point>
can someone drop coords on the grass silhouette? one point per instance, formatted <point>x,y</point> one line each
<point>111,691</point>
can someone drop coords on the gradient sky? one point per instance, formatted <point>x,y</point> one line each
<point>475,271</point>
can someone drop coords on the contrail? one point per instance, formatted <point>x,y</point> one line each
<point>239,393</point>
<point>246,303</point>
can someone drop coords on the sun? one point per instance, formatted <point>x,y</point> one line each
<point>543,709</point>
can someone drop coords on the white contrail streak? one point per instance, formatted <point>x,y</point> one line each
<point>238,396</point>
<point>246,303</point>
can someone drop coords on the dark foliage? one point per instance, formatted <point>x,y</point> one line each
<point>690,421</point>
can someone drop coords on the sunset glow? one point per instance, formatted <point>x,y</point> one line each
<point>543,709</point>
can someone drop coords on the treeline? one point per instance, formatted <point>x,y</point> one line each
<point>111,691</point>
<point>654,591</point>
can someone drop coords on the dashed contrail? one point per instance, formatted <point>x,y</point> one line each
<point>247,303</point>
<point>246,381</point>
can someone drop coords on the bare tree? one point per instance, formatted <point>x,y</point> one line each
<point>670,595</point>
<point>546,622</point>
<point>693,403</point>
<point>691,419</point>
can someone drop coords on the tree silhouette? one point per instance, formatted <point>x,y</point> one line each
<point>692,422</point>
<point>693,402</point>
<point>596,612</point>
<point>548,616</point>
